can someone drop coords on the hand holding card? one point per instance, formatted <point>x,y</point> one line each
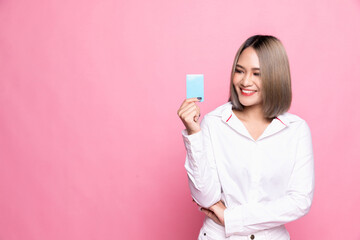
<point>189,114</point>
<point>189,111</point>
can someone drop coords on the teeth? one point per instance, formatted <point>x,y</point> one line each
<point>245,91</point>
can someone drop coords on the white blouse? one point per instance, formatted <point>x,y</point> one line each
<point>264,183</point>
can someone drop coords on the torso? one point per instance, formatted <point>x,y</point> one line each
<point>251,172</point>
<point>255,128</point>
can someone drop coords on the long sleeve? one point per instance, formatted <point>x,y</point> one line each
<point>200,166</point>
<point>252,217</point>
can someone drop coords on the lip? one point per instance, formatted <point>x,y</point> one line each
<point>247,94</point>
<point>247,89</point>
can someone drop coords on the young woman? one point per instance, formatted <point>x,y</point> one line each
<point>250,163</point>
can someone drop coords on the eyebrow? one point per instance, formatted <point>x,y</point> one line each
<point>238,65</point>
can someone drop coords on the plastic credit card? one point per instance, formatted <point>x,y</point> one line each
<point>195,86</point>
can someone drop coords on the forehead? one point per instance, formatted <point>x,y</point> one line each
<point>248,58</point>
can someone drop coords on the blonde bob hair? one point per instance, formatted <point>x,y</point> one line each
<point>274,72</point>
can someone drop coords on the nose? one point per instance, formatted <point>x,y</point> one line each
<point>246,80</point>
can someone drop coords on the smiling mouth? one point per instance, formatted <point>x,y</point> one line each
<point>247,91</point>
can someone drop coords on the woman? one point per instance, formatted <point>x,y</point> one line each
<point>250,162</point>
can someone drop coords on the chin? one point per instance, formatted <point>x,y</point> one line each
<point>248,103</point>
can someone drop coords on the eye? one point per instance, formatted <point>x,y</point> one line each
<point>238,70</point>
<point>257,74</point>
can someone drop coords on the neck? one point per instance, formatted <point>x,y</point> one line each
<point>254,114</point>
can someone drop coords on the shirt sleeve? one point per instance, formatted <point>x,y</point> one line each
<point>252,217</point>
<point>200,166</point>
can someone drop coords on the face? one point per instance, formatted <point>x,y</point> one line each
<point>247,80</point>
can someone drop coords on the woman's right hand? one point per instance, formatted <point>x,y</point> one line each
<point>210,213</point>
<point>189,114</point>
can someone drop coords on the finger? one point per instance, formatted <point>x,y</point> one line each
<point>208,213</point>
<point>197,117</point>
<point>185,108</point>
<point>192,106</point>
<point>211,215</point>
<point>194,99</point>
<point>189,114</point>
<point>192,117</point>
<point>198,110</point>
<point>188,101</point>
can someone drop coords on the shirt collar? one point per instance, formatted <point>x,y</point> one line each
<point>278,123</point>
<point>226,112</point>
<point>287,118</point>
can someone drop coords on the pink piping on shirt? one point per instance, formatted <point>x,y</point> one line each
<point>280,121</point>
<point>229,118</point>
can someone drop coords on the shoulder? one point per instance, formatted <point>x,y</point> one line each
<point>219,112</point>
<point>216,115</point>
<point>290,118</point>
<point>295,122</point>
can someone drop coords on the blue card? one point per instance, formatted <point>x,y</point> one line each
<point>195,86</point>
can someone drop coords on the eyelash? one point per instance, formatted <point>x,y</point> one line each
<point>240,71</point>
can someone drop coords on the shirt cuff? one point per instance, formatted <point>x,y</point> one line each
<point>233,220</point>
<point>193,141</point>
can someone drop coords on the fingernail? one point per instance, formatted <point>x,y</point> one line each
<point>199,98</point>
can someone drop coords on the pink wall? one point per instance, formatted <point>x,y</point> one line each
<point>90,143</point>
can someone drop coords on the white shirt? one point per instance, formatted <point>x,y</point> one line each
<point>264,183</point>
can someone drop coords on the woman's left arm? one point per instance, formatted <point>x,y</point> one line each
<point>252,217</point>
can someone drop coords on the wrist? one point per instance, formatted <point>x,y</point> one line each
<point>192,131</point>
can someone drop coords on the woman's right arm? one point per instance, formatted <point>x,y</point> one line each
<point>200,163</point>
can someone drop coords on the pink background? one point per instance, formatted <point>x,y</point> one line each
<point>90,142</point>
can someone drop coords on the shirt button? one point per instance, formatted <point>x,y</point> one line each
<point>252,237</point>
<point>204,234</point>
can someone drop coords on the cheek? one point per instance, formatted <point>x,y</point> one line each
<point>258,83</point>
<point>236,80</point>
